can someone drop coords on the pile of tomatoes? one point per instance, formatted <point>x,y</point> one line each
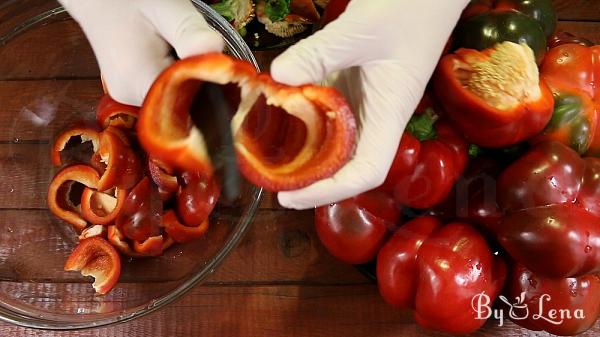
<point>493,199</point>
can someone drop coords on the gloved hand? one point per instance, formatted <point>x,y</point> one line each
<point>380,54</point>
<point>132,39</point>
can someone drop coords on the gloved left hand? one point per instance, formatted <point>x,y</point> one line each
<point>132,39</point>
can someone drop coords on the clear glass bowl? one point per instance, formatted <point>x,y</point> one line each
<point>49,79</point>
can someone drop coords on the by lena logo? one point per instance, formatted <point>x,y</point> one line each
<point>519,310</point>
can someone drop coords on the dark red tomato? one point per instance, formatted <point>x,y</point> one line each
<point>196,198</point>
<point>354,229</point>
<point>561,306</point>
<point>141,213</point>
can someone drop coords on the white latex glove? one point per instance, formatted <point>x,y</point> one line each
<point>385,52</point>
<point>132,39</point>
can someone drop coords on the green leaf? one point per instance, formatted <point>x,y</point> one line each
<point>421,125</point>
<point>277,10</point>
<point>225,9</point>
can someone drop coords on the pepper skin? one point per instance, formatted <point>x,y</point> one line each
<point>112,113</point>
<point>58,192</point>
<point>96,257</point>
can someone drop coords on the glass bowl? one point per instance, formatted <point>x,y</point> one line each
<point>49,79</point>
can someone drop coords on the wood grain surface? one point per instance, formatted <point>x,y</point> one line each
<point>279,281</point>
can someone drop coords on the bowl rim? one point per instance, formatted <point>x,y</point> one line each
<point>238,47</point>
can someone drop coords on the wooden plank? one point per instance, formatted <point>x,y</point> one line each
<point>34,54</point>
<point>577,10</point>
<point>588,30</point>
<point>54,50</point>
<point>314,311</point>
<point>40,109</point>
<point>280,247</point>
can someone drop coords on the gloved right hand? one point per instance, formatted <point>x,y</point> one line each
<point>380,54</point>
<point>132,39</point>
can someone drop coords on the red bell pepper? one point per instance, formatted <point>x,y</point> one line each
<point>550,196</point>
<point>560,306</point>
<point>182,233</point>
<point>354,229</point>
<point>197,196</point>
<point>164,177</point>
<point>112,113</point>
<point>101,208</point>
<point>140,215</point>
<point>123,167</point>
<point>437,271</point>
<point>85,132</point>
<point>60,186</point>
<point>320,128</point>
<point>495,97</point>
<point>573,71</point>
<point>430,158</point>
<point>96,257</point>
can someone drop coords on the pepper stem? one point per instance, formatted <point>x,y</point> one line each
<point>421,125</point>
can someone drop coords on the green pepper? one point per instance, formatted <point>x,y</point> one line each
<point>540,10</point>
<point>484,30</point>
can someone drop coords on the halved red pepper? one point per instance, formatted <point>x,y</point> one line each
<point>152,246</point>
<point>429,159</point>
<point>495,97</point>
<point>85,132</point>
<point>101,208</point>
<point>182,233</point>
<point>550,196</point>
<point>96,257</point>
<point>123,167</point>
<point>320,124</point>
<point>112,113</point>
<point>573,73</point>
<point>165,128</point>
<point>425,265</point>
<point>59,188</point>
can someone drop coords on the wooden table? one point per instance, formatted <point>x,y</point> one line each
<point>279,281</point>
